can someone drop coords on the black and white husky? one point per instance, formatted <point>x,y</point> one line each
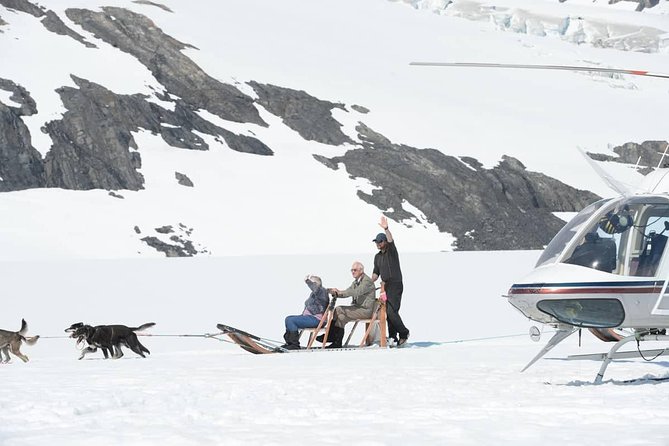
<point>109,338</point>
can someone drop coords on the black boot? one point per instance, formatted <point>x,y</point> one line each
<point>288,337</point>
<point>321,338</point>
<point>292,340</point>
<point>336,336</point>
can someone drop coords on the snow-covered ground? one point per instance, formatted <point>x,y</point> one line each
<point>349,51</point>
<point>446,388</point>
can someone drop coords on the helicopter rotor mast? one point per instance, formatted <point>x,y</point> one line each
<point>540,67</point>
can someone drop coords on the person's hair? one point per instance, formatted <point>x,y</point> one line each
<point>359,265</point>
<point>317,280</point>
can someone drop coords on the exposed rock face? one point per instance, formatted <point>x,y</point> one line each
<point>20,163</point>
<point>183,179</point>
<point>486,209</point>
<point>2,23</point>
<point>307,115</point>
<point>179,244</point>
<point>92,141</point>
<point>650,153</point>
<point>137,35</point>
<point>50,20</point>
<point>23,6</point>
<point>641,4</point>
<point>158,5</point>
<point>360,109</point>
<point>54,24</point>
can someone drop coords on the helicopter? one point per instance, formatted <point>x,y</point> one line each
<point>607,269</point>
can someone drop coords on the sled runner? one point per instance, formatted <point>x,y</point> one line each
<point>249,342</point>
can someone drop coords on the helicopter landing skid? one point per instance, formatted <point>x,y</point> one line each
<point>611,355</point>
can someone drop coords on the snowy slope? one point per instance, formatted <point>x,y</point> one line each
<point>343,51</point>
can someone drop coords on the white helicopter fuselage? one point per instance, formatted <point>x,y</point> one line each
<point>563,282</point>
<point>607,268</point>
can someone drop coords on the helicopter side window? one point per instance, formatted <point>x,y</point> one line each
<point>653,247</point>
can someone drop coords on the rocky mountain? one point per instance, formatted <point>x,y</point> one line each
<point>94,146</point>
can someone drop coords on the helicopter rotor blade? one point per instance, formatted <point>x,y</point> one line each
<point>540,67</point>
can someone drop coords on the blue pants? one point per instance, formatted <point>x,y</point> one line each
<point>295,323</point>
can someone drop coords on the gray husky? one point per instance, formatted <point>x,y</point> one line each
<point>11,341</point>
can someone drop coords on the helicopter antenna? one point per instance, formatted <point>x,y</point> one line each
<point>540,67</point>
<point>665,152</point>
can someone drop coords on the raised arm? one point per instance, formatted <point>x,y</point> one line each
<point>384,225</point>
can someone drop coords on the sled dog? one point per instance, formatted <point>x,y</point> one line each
<point>109,338</point>
<point>11,341</point>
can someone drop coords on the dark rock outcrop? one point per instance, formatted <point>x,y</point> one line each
<point>641,4</point>
<point>179,244</point>
<point>178,249</point>
<point>360,109</point>
<point>50,19</point>
<point>23,6</point>
<point>167,229</point>
<point>309,116</point>
<point>183,179</point>
<point>92,141</point>
<point>649,152</point>
<point>158,5</point>
<point>506,207</point>
<point>54,24</point>
<point>137,35</point>
<point>21,164</point>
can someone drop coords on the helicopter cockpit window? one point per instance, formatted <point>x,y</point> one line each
<point>627,240</point>
<point>567,233</point>
<point>596,252</point>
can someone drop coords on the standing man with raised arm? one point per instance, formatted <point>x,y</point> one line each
<point>387,266</point>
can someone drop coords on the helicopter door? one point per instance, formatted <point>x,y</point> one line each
<point>661,308</point>
<point>650,257</point>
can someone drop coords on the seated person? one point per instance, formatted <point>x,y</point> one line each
<point>364,297</point>
<point>651,255</point>
<point>314,308</point>
<point>595,252</point>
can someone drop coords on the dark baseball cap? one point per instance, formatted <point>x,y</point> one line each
<point>380,237</point>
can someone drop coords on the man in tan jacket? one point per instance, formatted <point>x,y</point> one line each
<point>364,296</point>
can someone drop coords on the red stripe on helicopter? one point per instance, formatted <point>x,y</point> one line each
<point>618,290</point>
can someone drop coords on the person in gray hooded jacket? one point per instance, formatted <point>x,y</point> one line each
<point>314,308</point>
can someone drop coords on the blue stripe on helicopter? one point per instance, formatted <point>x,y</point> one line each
<point>636,287</point>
